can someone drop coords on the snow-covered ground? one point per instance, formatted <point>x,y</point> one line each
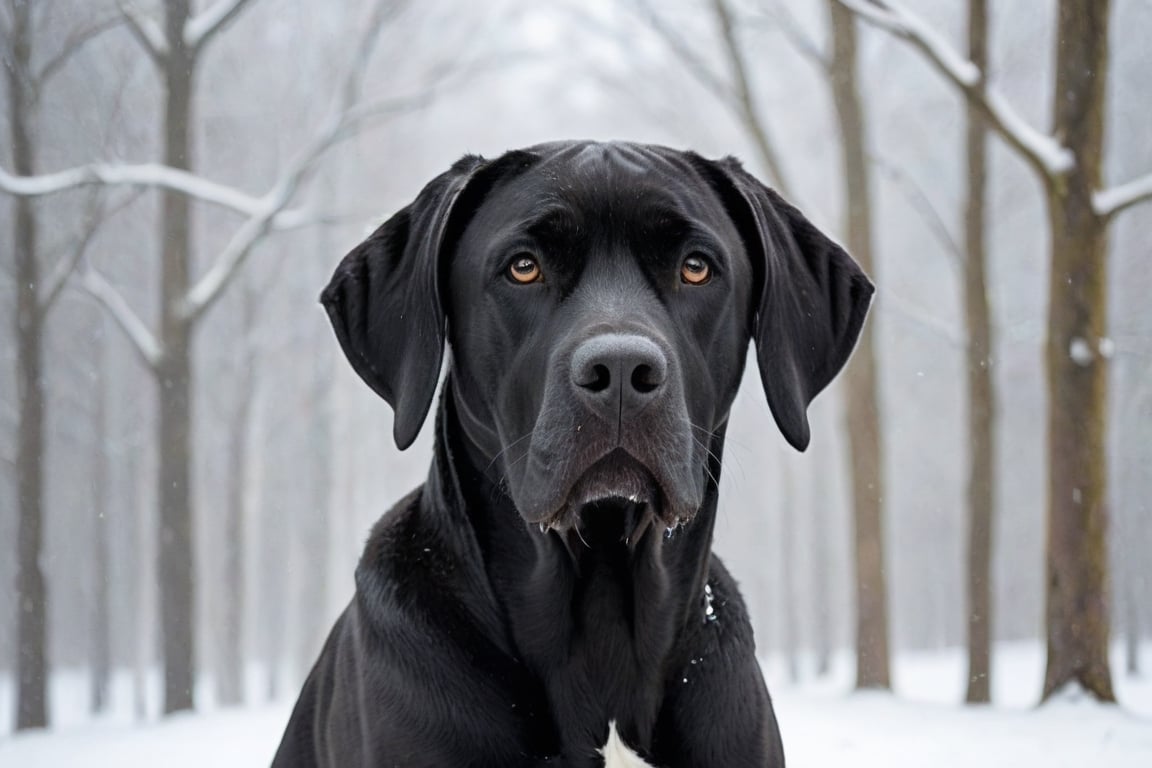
<point>823,725</point>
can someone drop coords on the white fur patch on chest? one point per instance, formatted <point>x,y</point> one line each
<point>616,753</point>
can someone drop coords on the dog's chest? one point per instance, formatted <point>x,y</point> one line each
<point>617,754</point>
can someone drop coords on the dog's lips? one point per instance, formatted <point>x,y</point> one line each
<point>616,498</point>
<point>616,477</point>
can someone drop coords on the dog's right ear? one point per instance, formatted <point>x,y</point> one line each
<point>384,301</point>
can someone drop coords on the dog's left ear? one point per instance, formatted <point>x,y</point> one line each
<point>384,301</point>
<point>812,302</point>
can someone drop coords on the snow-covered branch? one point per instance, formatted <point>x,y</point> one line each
<point>1043,152</point>
<point>200,28</point>
<point>146,31</point>
<point>1109,202</point>
<point>142,175</point>
<point>143,341</point>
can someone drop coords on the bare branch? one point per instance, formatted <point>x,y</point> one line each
<point>1109,202</point>
<point>786,23</point>
<point>199,29</point>
<point>695,65</point>
<point>146,31</point>
<point>1047,156</point>
<point>913,314</point>
<point>746,100</point>
<point>918,199</point>
<point>143,175</point>
<point>73,45</point>
<point>344,122</point>
<point>97,215</point>
<point>143,341</point>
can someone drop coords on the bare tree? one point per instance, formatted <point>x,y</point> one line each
<point>1068,164</point>
<point>27,75</point>
<point>862,402</point>
<point>176,47</point>
<point>734,89</point>
<point>981,396</point>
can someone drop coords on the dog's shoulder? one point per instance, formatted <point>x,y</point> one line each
<point>406,567</point>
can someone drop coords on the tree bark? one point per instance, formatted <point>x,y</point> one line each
<point>791,621</point>
<point>173,374</point>
<point>1077,365</point>
<point>101,557</point>
<point>822,608</point>
<point>230,674</point>
<point>1131,625</point>
<point>862,400</point>
<point>981,397</point>
<point>31,592</point>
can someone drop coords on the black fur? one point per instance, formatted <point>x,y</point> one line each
<point>551,574</point>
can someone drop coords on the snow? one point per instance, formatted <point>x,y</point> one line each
<point>921,724</point>
<point>1080,352</point>
<point>1110,201</point>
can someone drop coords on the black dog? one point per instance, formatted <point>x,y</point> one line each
<point>549,596</point>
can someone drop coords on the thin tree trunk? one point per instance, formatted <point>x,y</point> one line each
<point>981,397</point>
<point>791,622</point>
<point>1131,625</point>
<point>822,613</point>
<point>143,621</point>
<point>1077,552</point>
<point>174,438</point>
<point>31,592</point>
<point>748,111</point>
<point>230,675</point>
<point>862,396</point>
<point>101,603</point>
<point>314,551</point>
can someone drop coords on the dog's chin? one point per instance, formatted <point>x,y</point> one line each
<point>616,500</point>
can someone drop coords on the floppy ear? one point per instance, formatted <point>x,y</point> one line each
<point>384,301</point>
<point>812,303</point>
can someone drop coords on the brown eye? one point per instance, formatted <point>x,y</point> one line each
<point>524,269</point>
<point>695,271</point>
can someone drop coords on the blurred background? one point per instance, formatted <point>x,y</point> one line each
<point>189,467</point>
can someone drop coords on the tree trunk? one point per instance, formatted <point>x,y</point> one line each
<point>791,621</point>
<point>174,438</point>
<point>822,609</point>
<point>862,399</point>
<point>981,397</point>
<point>1077,552</point>
<point>101,602</point>
<point>31,595</point>
<point>1131,625</point>
<point>230,674</point>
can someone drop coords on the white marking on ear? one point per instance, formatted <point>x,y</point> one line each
<point>616,753</point>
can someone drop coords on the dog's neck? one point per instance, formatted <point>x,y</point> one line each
<point>602,619</point>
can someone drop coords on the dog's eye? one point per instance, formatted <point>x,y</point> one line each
<point>524,269</point>
<point>695,271</point>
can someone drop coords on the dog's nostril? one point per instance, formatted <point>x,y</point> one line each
<point>644,379</point>
<point>602,378</point>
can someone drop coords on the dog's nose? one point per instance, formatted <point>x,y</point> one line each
<point>618,374</point>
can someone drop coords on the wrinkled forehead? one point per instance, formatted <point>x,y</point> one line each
<point>617,190</point>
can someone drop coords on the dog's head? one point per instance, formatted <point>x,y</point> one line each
<point>598,300</point>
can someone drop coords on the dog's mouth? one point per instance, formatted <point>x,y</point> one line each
<point>615,501</point>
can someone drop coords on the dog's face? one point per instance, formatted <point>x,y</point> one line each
<point>599,313</point>
<point>599,300</point>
